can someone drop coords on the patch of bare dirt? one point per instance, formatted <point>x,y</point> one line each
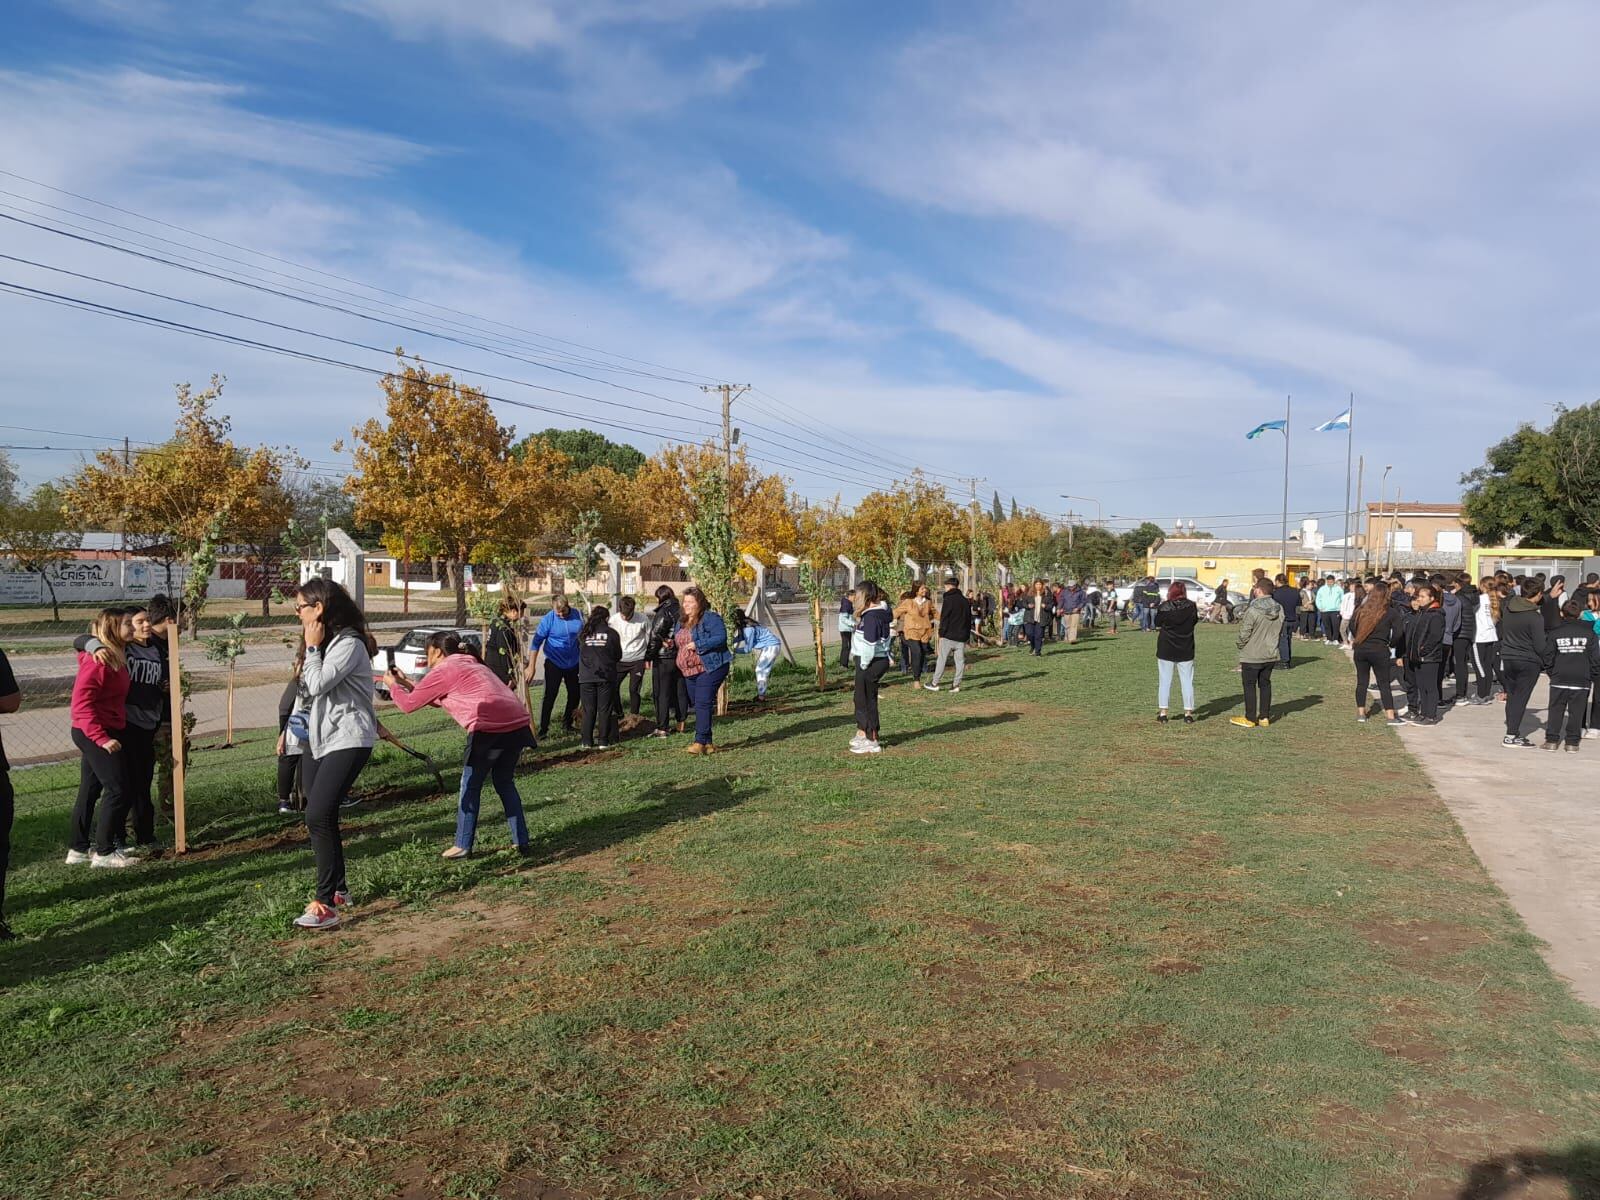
<point>1174,966</point>
<point>1455,1145</point>
<point>1422,940</point>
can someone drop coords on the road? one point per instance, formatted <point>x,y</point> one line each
<point>1532,821</point>
<point>44,734</point>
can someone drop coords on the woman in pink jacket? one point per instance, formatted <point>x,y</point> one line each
<point>497,731</point>
<point>99,704</point>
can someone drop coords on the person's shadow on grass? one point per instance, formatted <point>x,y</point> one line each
<point>1508,1175</point>
<point>1235,704</point>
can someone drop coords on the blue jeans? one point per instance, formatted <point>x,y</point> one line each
<point>703,695</point>
<point>1285,644</point>
<point>500,769</point>
<point>1147,619</point>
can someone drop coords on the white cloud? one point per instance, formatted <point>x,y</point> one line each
<point>699,238</point>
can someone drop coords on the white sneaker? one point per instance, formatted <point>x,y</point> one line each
<point>77,857</point>
<point>858,740</point>
<point>932,687</point>
<point>116,860</point>
<point>865,748</point>
<point>318,916</point>
<point>874,747</point>
<point>1588,733</point>
<point>955,687</point>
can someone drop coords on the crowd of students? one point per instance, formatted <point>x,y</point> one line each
<point>1424,643</point>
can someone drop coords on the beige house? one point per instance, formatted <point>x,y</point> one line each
<point>1410,535</point>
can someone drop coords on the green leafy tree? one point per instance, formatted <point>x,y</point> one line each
<point>713,552</point>
<point>37,533</point>
<point>226,649</point>
<point>1137,541</point>
<point>1538,485</point>
<point>585,555</point>
<point>8,479</point>
<point>996,512</point>
<point>585,449</point>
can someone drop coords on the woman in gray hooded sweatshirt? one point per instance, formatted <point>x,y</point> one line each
<point>341,729</point>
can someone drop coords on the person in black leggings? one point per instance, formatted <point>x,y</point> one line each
<point>1372,639</point>
<point>99,716</point>
<point>10,701</point>
<point>341,730</point>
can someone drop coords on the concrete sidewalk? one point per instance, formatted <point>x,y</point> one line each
<point>1533,819</point>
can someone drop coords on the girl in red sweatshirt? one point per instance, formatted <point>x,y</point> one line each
<point>99,700</point>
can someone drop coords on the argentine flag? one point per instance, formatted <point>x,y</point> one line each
<point>1263,427</point>
<point>1342,421</point>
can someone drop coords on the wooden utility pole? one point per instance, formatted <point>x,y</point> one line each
<point>180,823</point>
<point>729,393</point>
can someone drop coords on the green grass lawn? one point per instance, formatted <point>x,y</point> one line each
<point>1040,947</point>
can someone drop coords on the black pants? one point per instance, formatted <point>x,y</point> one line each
<point>596,694</point>
<point>844,649</point>
<point>1035,633</point>
<point>633,672</point>
<point>1486,661</point>
<point>139,766</point>
<point>1567,705</point>
<point>327,780</point>
<point>670,692</point>
<point>905,656</point>
<point>102,776</point>
<point>867,680</point>
<point>1257,678</point>
<point>8,813</point>
<point>1285,644</point>
<point>1461,656</point>
<point>288,767</point>
<point>1520,678</point>
<point>554,678</point>
<point>1426,675</point>
<point>1374,662</point>
<point>1330,626</point>
<point>919,658</point>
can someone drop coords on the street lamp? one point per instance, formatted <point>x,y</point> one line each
<point>1097,511</point>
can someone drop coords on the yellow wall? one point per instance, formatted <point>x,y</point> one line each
<point>1236,570</point>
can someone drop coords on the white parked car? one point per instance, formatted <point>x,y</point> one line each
<point>1198,592</point>
<point>410,653</point>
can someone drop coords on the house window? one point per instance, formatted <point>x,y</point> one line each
<point>1449,541</point>
<point>1398,539</point>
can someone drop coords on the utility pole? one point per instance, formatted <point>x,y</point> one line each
<point>1283,545</point>
<point>1361,470</point>
<point>972,482</point>
<point>729,393</point>
<point>1349,445</point>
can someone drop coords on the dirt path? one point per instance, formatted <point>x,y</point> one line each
<point>1533,819</point>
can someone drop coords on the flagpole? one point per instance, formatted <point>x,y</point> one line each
<point>1349,447</point>
<point>1283,537</point>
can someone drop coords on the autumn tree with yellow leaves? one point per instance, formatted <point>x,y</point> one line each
<point>197,482</point>
<point>665,489</point>
<point>917,511</point>
<point>439,472</point>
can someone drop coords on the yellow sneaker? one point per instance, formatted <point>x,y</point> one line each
<point>1263,723</point>
<point>1242,722</point>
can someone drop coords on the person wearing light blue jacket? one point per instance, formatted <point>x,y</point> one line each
<point>1328,599</point>
<point>751,638</point>
<point>701,641</point>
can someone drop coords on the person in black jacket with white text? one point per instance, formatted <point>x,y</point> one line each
<point>1574,668</point>
<point>599,653</point>
<point>1524,653</point>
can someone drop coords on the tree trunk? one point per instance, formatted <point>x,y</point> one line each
<point>229,741</point>
<point>460,579</point>
<point>405,576</point>
<point>816,639</point>
<point>55,605</point>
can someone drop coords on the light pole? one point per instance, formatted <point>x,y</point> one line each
<point>1382,483</point>
<point>1099,522</point>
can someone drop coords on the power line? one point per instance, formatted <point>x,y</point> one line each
<point>791,445</point>
<point>308,356</point>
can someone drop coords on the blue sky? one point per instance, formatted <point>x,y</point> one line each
<point>1065,247</point>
